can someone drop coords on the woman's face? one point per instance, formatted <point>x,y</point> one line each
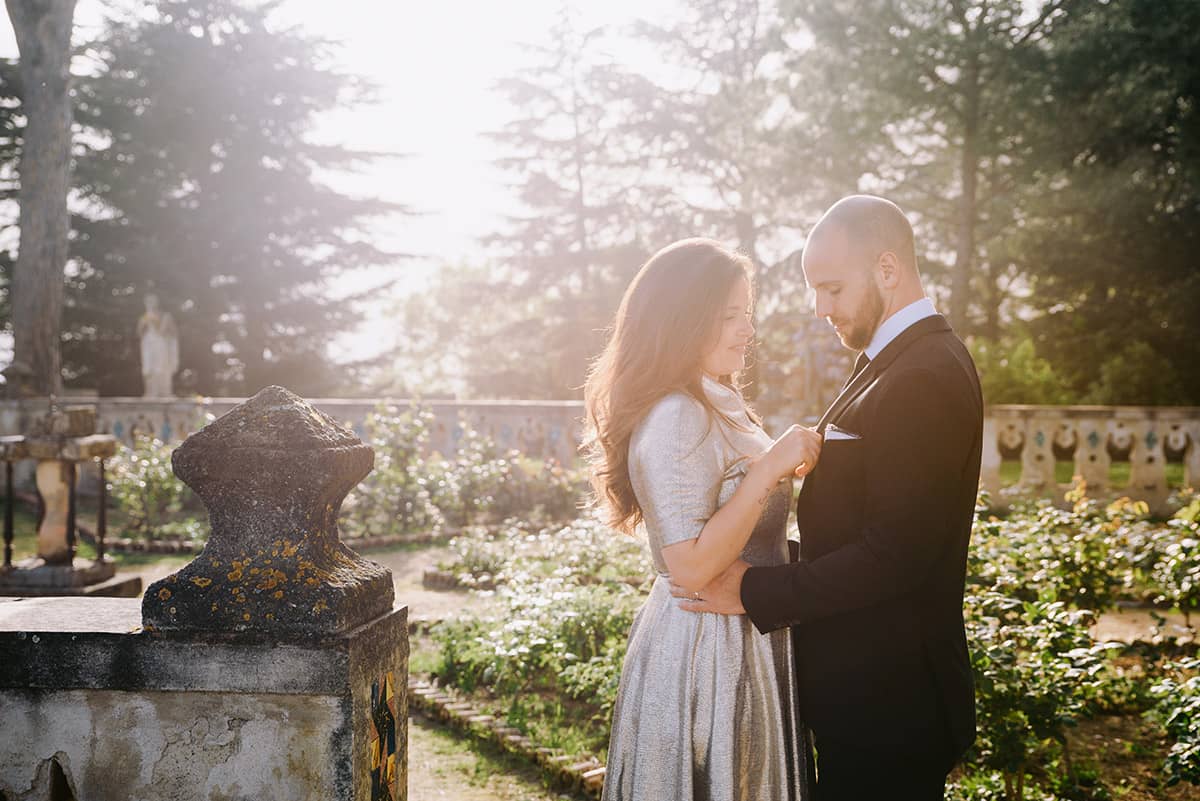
<point>735,334</point>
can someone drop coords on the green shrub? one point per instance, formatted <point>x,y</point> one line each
<point>1034,665</point>
<point>1178,711</point>
<point>396,495</point>
<point>142,484</point>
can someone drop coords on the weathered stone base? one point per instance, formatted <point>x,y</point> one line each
<point>128,714</point>
<point>33,577</point>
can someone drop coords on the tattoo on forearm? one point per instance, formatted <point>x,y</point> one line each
<point>766,494</point>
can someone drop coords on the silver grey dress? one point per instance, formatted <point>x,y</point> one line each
<point>706,706</point>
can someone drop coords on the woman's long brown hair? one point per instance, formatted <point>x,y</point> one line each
<point>669,317</point>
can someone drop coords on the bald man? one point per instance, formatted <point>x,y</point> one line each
<point>875,600</point>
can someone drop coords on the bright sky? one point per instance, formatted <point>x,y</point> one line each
<point>434,63</point>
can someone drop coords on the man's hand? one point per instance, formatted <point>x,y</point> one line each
<point>723,594</point>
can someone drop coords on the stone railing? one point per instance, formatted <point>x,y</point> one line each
<point>1093,438</point>
<point>548,429</point>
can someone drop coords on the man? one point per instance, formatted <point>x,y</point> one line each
<point>875,600</point>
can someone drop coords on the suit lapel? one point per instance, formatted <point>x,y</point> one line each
<point>860,382</point>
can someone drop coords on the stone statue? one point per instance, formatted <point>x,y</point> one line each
<point>160,349</point>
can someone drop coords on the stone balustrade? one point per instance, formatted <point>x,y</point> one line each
<point>547,429</point>
<point>1092,438</point>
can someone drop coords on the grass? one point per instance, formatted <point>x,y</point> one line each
<point>1118,473</point>
<point>443,764</point>
<point>25,536</point>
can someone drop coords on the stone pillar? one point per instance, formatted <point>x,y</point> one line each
<point>1092,461</point>
<point>1189,435</point>
<point>989,470</point>
<point>1148,465</point>
<point>274,665</point>
<point>1037,457</point>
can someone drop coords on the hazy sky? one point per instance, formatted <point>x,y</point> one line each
<point>434,63</point>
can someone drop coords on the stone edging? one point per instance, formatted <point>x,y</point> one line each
<point>571,772</point>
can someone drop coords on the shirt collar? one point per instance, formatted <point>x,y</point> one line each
<point>895,325</point>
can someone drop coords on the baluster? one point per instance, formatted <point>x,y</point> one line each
<point>1147,465</point>
<point>989,470</point>
<point>1037,457</point>
<point>69,467</point>
<point>1092,462</point>
<point>102,514</point>
<point>9,502</point>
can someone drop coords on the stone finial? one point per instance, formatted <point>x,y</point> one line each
<point>273,473</point>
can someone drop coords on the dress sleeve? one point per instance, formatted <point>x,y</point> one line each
<point>675,468</point>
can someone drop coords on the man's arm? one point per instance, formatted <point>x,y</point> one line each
<point>913,468</point>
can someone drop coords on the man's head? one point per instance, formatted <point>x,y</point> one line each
<point>861,262</point>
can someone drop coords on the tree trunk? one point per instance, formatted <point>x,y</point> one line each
<point>964,255</point>
<point>43,32</point>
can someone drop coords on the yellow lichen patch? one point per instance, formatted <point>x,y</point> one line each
<point>254,571</point>
<point>214,607</point>
<point>216,562</point>
<point>270,616</point>
<point>236,573</point>
<point>278,594</point>
<point>320,606</point>
<point>289,550</point>
<point>246,616</point>
<point>164,594</point>
<point>270,579</point>
<point>312,582</point>
<point>201,581</point>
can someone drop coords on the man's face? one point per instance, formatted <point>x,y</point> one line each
<point>847,296</point>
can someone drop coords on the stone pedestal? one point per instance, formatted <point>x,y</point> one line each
<point>274,665</point>
<point>122,714</point>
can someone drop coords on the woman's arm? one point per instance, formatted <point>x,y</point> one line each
<point>694,563</point>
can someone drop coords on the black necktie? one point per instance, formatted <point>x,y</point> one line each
<point>860,364</point>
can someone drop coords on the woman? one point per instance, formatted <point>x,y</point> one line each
<point>705,706</point>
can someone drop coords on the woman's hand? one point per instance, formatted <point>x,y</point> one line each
<point>795,453</point>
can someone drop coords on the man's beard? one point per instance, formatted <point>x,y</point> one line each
<point>866,320</point>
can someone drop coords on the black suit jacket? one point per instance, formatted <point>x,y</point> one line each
<point>875,601</point>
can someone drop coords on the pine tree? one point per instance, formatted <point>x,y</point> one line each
<point>200,184</point>
<point>562,262</point>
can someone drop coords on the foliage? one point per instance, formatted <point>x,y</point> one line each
<point>560,619</point>
<point>142,482</point>
<point>1178,710</point>
<point>196,179</point>
<point>1033,662</point>
<point>1036,580</point>
<point>412,488</point>
<point>396,495</point>
<point>1137,375</point>
<point>1176,573</point>
<point>1012,372</point>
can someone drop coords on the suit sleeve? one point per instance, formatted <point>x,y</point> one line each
<point>913,469</point>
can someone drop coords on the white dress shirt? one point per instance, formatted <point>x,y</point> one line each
<point>895,325</point>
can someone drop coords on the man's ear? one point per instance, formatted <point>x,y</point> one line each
<point>888,270</point>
